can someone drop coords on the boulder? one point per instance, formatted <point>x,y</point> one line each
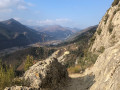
<point>46,74</point>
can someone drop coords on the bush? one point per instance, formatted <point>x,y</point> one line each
<point>110,28</point>
<point>88,60</point>
<point>92,40</point>
<point>74,69</point>
<point>115,2</point>
<point>21,82</point>
<point>28,63</point>
<point>101,50</point>
<point>6,75</point>
<point>99,31</point>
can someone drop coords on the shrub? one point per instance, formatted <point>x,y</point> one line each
<point>101,50</point>
<point>6,75</point>
<point>99,31</point>
<point>115,2</point>
<point>110,28</point>
<point>88,60</point>
<point>113,40</point>
<point>28,62</point>
<point>116,11</point>
<point>74,69</point>
<point>21,82</point>
<point>92,40</point>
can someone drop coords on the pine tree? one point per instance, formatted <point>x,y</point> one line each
<point>6,75</point>
<point>28,62</point>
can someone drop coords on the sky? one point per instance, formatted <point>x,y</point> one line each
<point>68,13</point>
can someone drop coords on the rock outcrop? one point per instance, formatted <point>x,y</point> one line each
<point>108,33</point>
<point>107,42</point>
<point>44,75</point>
<point>107,70</point>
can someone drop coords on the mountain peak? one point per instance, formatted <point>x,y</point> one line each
<point>10,21</point>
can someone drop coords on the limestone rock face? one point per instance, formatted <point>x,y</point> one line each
<point>108,31</point>
<point>107,70</point>
<point>45,74</point>
<point>107,66</point>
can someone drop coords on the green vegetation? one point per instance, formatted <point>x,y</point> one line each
<point>92,40</point>
<point>6,75</point>
<point>74,69</point>
<point>87,60</point>
<point>115,2</point>
<point>114,12</point>
<point>84,62</point>
<point>113,40</point>
<point>110,28</point>
<point>101,50</point>
<point>82,38</point>
<point>28,62</point>
<point>18,57</point>
<point>21,82</point>
<point>99,31</point>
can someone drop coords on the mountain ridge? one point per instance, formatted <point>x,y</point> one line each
<point>56,31</point>
<point>13,33</point>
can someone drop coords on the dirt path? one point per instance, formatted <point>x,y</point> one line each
<point>79,82</point>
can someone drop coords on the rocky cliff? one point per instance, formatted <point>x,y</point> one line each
<point>107,42</point>
<point>108,33</point>
<point>107,70</point>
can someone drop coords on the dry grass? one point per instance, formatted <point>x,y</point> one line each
<point>74,69</point>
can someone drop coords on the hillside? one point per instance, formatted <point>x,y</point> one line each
<point>13,33</point>
<point>18,58</point>
<point>82,32</point>
<point>56,31</point>
<point>82,36</point>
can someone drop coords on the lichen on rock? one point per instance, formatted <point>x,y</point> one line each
<point>44,75</point>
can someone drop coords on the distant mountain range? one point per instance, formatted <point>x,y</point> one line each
<point>13,33</point>
<point>57,32</point>
<point>81,36</point>
<point>86,31</point>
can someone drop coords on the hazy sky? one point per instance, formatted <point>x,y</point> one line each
<point>70,13</point>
